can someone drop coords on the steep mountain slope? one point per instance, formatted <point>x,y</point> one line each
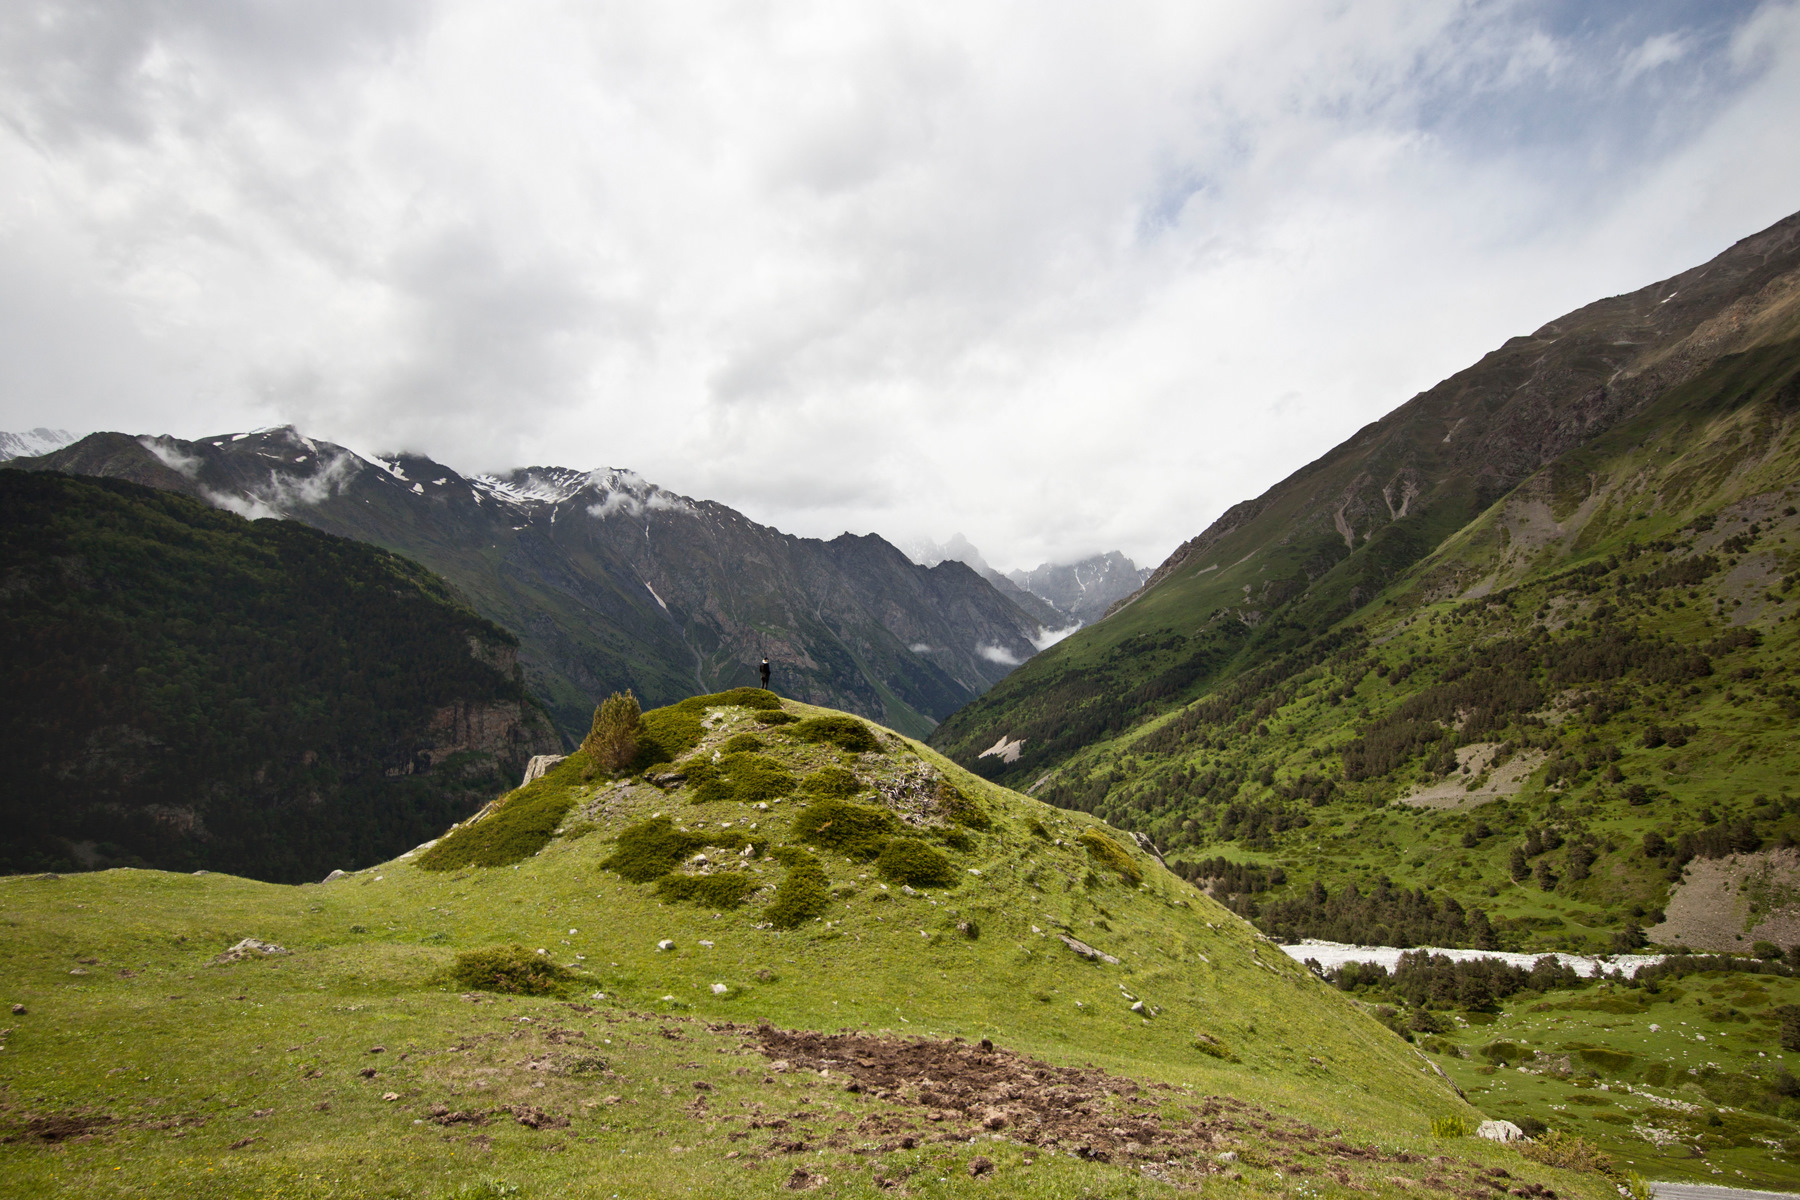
<point>185,688</point>
<point>611,582</point>
<point>1023,1000</point>
<point>1578,690</point>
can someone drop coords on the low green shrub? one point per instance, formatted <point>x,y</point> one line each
<point>910,861</point>
<point>805,890</point>
<point>961,808</point>
<point>521,825</point>
<point>1453,1126</point>
<point>833,782</point>
<point>1036,829</point>
<point>858,830</point>
<point>651,849</point>
<point>775,717</point>
<point>846,733</point>
<point>1206,1043</point>
<point>665,734</point>
<point>1111,855</point>
<point>745,778</point>
<point>957,840</point>
<point>726,890</point>
<point>743,743</point>
<point>1556,1149</point>
<point>513,970</point>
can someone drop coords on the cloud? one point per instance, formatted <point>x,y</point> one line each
<point>172,456</point>
<point>998,654</point>
<point>1068,280</point>
<point>1047,638</point>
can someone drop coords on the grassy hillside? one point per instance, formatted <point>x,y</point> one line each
<point>1572,698</point>
<point>704,914</point>
<point>183,688</point>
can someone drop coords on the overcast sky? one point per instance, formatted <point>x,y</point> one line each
<point>1064,278</point>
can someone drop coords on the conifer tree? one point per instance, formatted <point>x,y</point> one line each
<point>612,743</point>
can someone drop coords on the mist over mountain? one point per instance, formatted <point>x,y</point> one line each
<point>1060,594</point>
<point>611,582</point>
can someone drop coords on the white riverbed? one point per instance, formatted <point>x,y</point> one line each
<point>1336,954</point>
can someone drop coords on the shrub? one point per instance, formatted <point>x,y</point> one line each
<point>743,743</point>
<point>960,808</point>
<point>665,734</point>
<point>1206,1043</point>
<point>858,830</point>
<point>1789,1016</point>
<point>910,861</point>
<point>1036,828</point>
<point>1452,1126</point>
<point>1571,1153</point>
<point>745,778</point>
<point>651,849</point>
<point>510,969</point>
<point>744,697</point>
<point>1111,855</point>
<point>1531,1127</point>
<point>846,733</point>
<point>805,890</point>
<point>613,741</point>
<point>833,782</point>
<point>727,890</point>
<point>775,717</point>
<point>520,825</point>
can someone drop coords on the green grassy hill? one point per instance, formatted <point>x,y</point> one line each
<point>1543,711</point>
<point>804,954</point>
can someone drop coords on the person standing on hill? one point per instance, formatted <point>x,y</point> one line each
<point>764,672</point>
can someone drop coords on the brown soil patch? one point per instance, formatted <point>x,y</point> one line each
<point>1726,904</point>
<point>57,1127</point>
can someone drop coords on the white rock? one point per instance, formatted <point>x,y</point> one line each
<point>573,932</point>
<point>665,944</point>
<point>1499,1131</point>
<point>720,989</point>
<point>1229,1157</point>
<point>335,875</point>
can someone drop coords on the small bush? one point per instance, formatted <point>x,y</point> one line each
<point>665,734</point>
<point>858,830</point>
<point>745,778</point>
<point>510,969</point>
<point>776,717</point>
<point>651,849</point>
<point>1531,1127</point>
<point>727,890</point>
<point>846,733</point>
<point>960,808</point>
<point>910,861</point>
<point>743,743</point>
<point>832,782</point>
<point>1207,1044</point>
<point>1571,1153</point>
<point>1449,1127</point>
<point>805,890</point>
<point>1111,855</point>
<point>957,840</point>
<point>612,743</point>
<point>1036,828</point>
<point>521,825</point>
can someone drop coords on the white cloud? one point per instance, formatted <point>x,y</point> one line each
<point>998,654</point>
<point>1065,279</point>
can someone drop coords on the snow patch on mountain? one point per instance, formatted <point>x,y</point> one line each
<point>33,442</point>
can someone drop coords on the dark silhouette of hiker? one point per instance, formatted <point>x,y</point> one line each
<point>764,672</point>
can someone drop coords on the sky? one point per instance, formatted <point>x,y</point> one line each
<point>1064,278</point>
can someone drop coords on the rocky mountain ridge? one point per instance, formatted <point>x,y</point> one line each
<point>612,582</point>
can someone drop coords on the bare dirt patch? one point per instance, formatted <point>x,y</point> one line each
<point>1730,903</point>
<point>1508,779</point>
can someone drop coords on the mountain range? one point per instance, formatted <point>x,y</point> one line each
<point>1522,643</point>
<point>611,582</point>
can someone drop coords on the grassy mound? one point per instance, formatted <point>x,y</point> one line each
<point>910,861</point>
<point>1112,856</point>
<point>805,890</point>
<point>959,808</point>
<point>834,782</point>
<point>744,778</point>
<point>518,828</point>
<point>846,733</point>
<point>743,743</point>
<point>665,734</point>
<point>513,970</point>
<point>647,851</point>
<point>726,890</point>
<point>859,830</point>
